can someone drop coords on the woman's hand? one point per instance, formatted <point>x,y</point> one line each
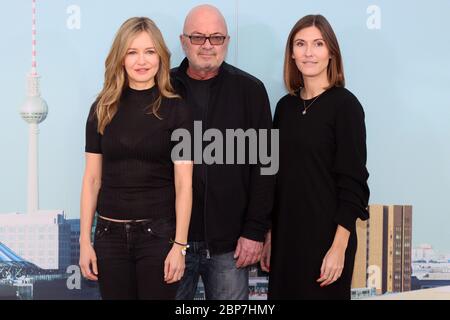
<point>88,258</point>
<point>333,263</point>
<point>174,265</point>
<point>265,255</point>
<point>332,266</point>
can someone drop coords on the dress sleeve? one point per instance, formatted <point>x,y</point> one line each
<point>93,137</point>
<point>181,118</point>
<point>350,164</point>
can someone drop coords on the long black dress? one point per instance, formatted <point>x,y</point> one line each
<point>321,183</point>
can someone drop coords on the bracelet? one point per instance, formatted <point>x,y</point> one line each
<point>184,246</point>
<point>178,243</point>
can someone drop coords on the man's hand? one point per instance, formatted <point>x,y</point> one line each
<point>247,252</point>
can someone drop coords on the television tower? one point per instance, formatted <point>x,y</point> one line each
<point>34,111</point>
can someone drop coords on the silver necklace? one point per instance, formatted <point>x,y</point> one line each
<point>305,108</point>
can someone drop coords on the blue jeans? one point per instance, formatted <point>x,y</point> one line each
<point>221,278</point>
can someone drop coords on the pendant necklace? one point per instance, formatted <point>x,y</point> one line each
<point>305,108</point>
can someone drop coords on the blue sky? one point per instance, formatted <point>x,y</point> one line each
<point>399,72</point>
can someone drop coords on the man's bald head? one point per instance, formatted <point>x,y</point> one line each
<point>205,21</point>
<point>205,16</point>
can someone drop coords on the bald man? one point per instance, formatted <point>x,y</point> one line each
<point>231,202</point>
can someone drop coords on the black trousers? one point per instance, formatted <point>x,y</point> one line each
<point>130,259</point>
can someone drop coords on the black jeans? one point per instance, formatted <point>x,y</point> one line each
<point>130,259</point>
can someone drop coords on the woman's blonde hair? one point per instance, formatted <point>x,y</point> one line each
<point>115,74</point>
<point>293,78</point>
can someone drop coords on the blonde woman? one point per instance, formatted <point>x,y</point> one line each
<point>142,197</point>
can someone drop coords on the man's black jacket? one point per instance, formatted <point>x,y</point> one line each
<point>237,199</point>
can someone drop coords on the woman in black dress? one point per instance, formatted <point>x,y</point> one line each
<point>322,180</point>
<point>142,195</point>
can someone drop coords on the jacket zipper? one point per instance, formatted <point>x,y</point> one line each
<point>208,253</point>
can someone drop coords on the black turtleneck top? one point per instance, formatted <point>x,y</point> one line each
<point>137,169</point>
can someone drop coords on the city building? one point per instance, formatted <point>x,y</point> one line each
<point>258,288</point>
<point>74,240</point>
<point>42,238</point>
<point>431,269</point>
<point>430,280</point>
<point>441,293</point>
<point>383,258</point>
<point>363,293</point>
<point>423,252</point>
<point>39,236</point>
